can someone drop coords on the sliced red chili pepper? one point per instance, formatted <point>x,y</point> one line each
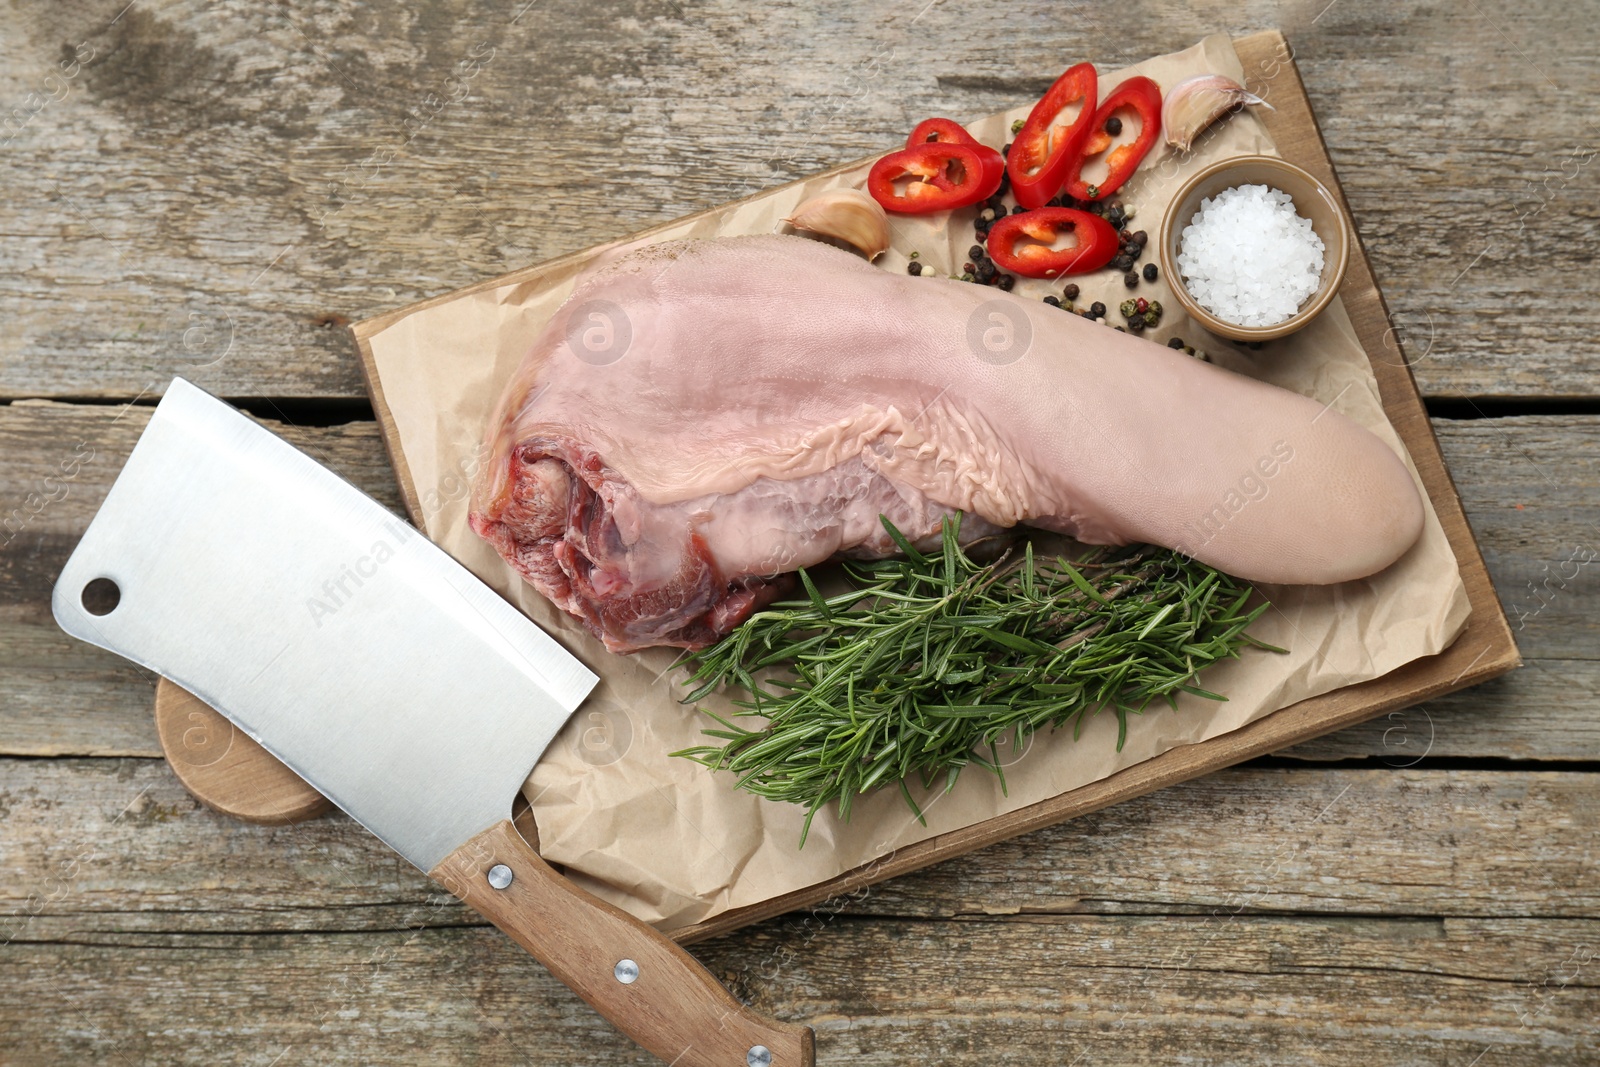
<point>1042,150</point>
<point>949,131</point>
<point>1095,242</point>
<point>944,176</point>
<point>1141,95</point>
<point>944,131</point>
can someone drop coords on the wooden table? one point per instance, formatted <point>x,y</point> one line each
<point>214,189</point>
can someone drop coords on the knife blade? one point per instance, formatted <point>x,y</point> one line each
<point>389,677</point>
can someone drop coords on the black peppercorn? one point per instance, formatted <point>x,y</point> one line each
<point>1136,323</point>
<point>1130,279</point>
<point>914,268</point>
<point>1019,209</point>
<point>1071,291</point>
<point>1140,237</point>
<point>1053,301</point>
<point>1097,309</point>
<point>1113,125</point>
<point>976,253</point>
<point>1007,281</point>
<point>1149,272</point>
<point>1174,342</point>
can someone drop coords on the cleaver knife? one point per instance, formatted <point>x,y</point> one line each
<point>390,678</point>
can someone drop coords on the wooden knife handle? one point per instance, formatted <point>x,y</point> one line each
<point>672,1006</point>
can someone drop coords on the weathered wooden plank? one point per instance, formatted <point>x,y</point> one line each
<point>100,848</point>
<point>210,189</point>
<point>1096,989</point>
<point>154,931</point>
<point>67,698</point>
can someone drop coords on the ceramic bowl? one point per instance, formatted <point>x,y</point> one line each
<point>1311,199</point>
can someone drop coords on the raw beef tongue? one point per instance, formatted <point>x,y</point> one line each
<point>701,418</point>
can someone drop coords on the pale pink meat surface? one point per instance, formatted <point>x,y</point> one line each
<point>701,418</point>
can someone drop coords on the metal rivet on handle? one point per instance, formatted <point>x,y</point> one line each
<point>500,876</point>
<point>627,972</point>
<point>758,1056</point>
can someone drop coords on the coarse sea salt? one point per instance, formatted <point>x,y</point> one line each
<point>1248,257</point>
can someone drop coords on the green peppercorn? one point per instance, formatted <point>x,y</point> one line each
<point>1016,126</point>
<point>1128,307</point>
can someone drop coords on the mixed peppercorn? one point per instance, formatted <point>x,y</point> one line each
<point>1030,195</point>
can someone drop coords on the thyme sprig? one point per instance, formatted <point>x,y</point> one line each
<point>928,661</point>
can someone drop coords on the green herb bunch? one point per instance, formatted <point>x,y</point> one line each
<point>930,660</point>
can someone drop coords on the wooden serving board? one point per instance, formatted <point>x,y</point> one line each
<point>1484,650</point>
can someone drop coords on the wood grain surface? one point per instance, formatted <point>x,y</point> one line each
<point>258,175</point>
<point>214,189</point>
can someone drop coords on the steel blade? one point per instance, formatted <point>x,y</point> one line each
<point>340,638</point>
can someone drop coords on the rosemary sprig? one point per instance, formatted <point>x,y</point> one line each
<point>928,661</point>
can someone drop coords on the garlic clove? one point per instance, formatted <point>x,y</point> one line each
<point>1197,102</point>
<point>846,215</point>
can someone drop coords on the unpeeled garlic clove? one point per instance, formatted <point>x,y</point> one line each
<point>846,215</point>
<point>1195,103</point>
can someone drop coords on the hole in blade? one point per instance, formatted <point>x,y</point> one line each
<point>101,596</point>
